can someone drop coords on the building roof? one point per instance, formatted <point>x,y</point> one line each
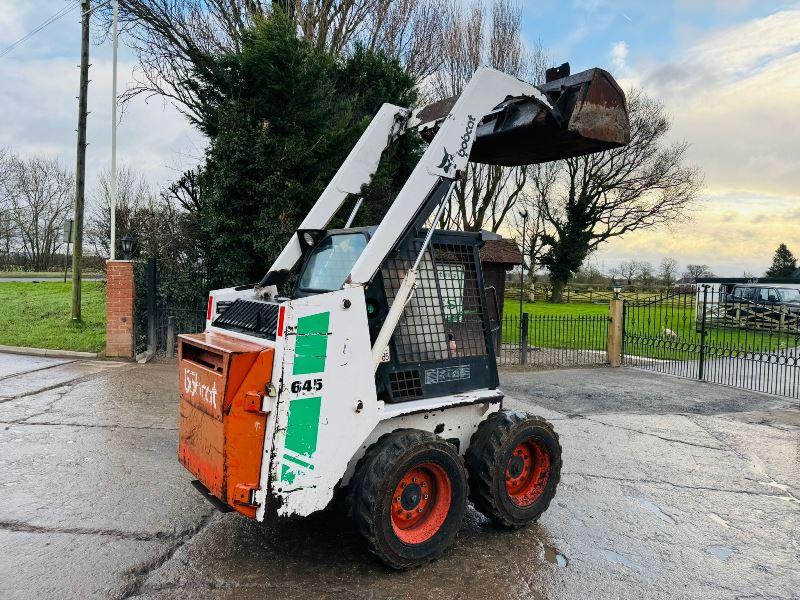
<point>501,251</point>
<point>753,280</point>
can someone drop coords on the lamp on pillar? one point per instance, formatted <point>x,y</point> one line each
<point>128,242</point>
<point>617,288</point>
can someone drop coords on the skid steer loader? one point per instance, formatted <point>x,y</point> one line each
<point>376,376</point>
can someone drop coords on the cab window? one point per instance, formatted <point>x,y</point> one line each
<point>331,262</point>
<point>743,293</point>
<point>768,295</point>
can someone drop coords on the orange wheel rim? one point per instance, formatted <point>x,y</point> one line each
<point>527,472</point>
<point>421,503</point>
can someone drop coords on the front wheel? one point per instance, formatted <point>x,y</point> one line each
<point>408,497</point>
<point>514,465</point>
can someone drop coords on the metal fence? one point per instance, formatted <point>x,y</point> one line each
<point>174,321</point>
<point>754,346</point>
<point>587,294</point>
<point>552,341</point>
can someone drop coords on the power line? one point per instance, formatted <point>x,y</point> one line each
<point>8,49</point>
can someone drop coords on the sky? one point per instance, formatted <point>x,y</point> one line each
<point>727,71</point>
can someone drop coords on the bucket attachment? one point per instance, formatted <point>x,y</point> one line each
<point>589,115</point>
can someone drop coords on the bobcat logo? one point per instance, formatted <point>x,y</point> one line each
<point>447,161</point>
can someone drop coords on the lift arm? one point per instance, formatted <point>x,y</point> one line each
<point>445,158</point>
<point>356,171</point>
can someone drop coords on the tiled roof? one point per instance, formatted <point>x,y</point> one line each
<point>501,251</point>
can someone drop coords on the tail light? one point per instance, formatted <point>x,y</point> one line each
<point>210,306</point>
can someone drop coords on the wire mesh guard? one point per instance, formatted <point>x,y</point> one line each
<point>444,317</point>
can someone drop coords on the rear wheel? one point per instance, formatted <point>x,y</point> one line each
<point>408,497</point>
<point>514,465</point>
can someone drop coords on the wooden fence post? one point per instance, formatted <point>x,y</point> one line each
<point>615,333</point>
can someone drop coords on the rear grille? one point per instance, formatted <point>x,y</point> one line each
<point>405,384</point>
<point>259,319</point>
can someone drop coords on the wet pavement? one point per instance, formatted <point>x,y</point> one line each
<point>670,489</point>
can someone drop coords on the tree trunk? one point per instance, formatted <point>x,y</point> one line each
<point>557,295</point>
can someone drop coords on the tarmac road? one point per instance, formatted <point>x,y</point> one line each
<point>670,489</point>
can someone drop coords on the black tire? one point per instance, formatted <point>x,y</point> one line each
<point>489,464</point>
<point>387,464</point>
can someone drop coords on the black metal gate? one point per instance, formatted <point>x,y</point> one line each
<point>552,342</point>
<point>702,334</point>
<point>169,301</point>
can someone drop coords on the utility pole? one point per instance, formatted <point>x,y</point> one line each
<point>80,170</point>
<point>115,45</point>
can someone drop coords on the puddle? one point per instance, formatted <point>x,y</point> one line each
<point>554,557</point>
<point>721,552</point>
<point>617,558</point>
<point>653,508</point>
<point>718,520</point>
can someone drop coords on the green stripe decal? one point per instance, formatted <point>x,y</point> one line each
<point>287,474</point>
<point>301,431</point>
<point>311,344</point>
<point>297,461</point>
<point>301,435</point>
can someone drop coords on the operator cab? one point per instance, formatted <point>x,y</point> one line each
<point>445,342</point>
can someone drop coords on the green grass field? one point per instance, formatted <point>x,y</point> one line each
<point>37,315</point>
<point>46,274</point>
<point>581,326</point>
<point>511,308</point>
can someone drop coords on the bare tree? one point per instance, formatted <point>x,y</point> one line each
<point>644,272</point>
<point>174,38</point>
<point>5,166</point>
<point>408,30</point>
<point>160,225</point>
<point>694,272</point>
<point>589,273</point>
<point>668,270</point>
<point>7,233</point>
<point>133,194</point>
<point>628,270</point>
<point>186,191</point>
<point>485,197</point>
<point>589,200</point>
<point>38,193</point>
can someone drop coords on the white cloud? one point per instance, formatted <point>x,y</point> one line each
<point>38,105</point>
<point>40,114</point>
<point>731,232</point>
<point>619,53</point>
<point>733,96</point>
<point>10,22</point>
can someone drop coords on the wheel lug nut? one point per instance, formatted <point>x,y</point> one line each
<point>419,509</point>
<point>425,496</point>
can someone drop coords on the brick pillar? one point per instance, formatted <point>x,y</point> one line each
<point>120,293</point>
